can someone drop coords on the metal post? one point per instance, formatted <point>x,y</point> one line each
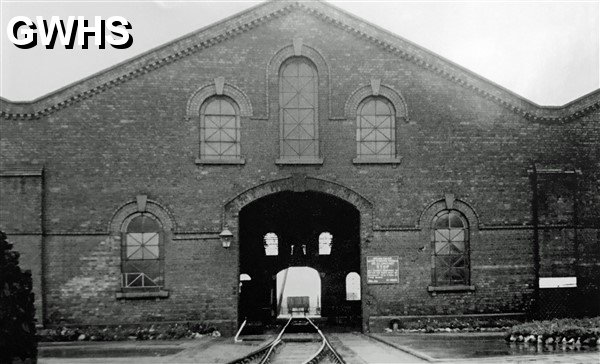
<point>578,292</point>
<point>536,243</point>
<point>576,224</point>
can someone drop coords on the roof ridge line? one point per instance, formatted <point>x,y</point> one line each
<point>144,62</point>
<point>532,115</point>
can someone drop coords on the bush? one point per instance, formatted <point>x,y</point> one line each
<point>185,330</point>
<point>462,324</point>
<point>17,313</point>
<point>583,331</point>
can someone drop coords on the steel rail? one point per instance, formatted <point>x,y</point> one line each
<point>276,342</point>
<point>265,352</point>
<point>325,350</point>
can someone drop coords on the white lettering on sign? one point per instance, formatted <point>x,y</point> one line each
<point>383,270</point>
<point>23,32</point>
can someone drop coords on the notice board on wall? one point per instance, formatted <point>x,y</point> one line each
<point>383,270</point>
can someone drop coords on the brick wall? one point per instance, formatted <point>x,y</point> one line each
<point>21,219</point>
<point>134,138</point>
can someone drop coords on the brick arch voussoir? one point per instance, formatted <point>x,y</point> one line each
<point>204,92</point>
<point>430,211</point>
<point>309,52</point>
<point>388,92</point>
<point>234,205</point>
<point>120,218</point>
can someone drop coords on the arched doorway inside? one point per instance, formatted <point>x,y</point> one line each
<point>317,236</point>
<point>298,292</point>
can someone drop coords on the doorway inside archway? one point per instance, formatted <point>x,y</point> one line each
<point>298,248</point>
<point>298,292</point>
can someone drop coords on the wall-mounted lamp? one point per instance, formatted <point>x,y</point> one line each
<point>226,238</point>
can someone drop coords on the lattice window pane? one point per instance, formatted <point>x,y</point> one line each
<point>142,273</point>
<point>141,266</point>
<point>142,245</point>
<point>442,247</point>
<point>135,253</point>
<point>298,103</point>
<point>369,148</point>
<point>142,239</point>
<point>442,221</point>
<point>289,150</point>
<point>142,224</point>
<point>384,148</point>
<point>457,247</point>
<point>455,220</point>
<point>213,108</point>
<point>226,108</point>
<point>450,238</point>
<point>220,129</point>
<point>376,128</point>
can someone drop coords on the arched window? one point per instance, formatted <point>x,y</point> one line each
<point>353,286</point>
<point>450,247</point>
<point>375,129</point>
<point>325,241</point>
<point>219,129</point>
<point>245,277</point>
<point>141,266</point>
<point>298,110</point>
<point>271,244</point>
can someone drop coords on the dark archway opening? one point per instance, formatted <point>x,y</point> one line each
<point>299,229</point>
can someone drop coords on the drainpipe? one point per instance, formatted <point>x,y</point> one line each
<point>536,242</point>
<point>575,228</point>
<point>43,249</point>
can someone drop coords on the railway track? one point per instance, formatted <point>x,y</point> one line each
<point>287,348</point>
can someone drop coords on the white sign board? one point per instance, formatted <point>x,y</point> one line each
<point>383,270</point>
<point>558,282</point>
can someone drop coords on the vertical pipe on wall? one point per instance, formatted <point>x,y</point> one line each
<point>44,257</point>
<point>576,224</point>
<point>536,243</point>
<point>579,294</point>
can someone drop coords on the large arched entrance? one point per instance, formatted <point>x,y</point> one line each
<point>308,229</point>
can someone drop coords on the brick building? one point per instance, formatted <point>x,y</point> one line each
<point>303,136</point>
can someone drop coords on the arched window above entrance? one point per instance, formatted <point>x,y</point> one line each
<point>376,129</point>
<point>353,287</point>
<point>219,129</point>
<point>298,112</point>
<point>271,243</point>
<point>325,242</point>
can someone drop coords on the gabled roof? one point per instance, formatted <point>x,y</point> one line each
<point>253,17</point>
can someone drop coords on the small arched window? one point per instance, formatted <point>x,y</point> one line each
<point>353,286</point>
<point>325,242</point>
<point>245,277</point>
<point>219,129</point>
<point>298,110</point>
<point>271,243</point>
<point>450,247</point>
<point>141,260</point>
<point>376,129</point>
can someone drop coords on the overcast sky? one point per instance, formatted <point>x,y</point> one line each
<point>546,51</point>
